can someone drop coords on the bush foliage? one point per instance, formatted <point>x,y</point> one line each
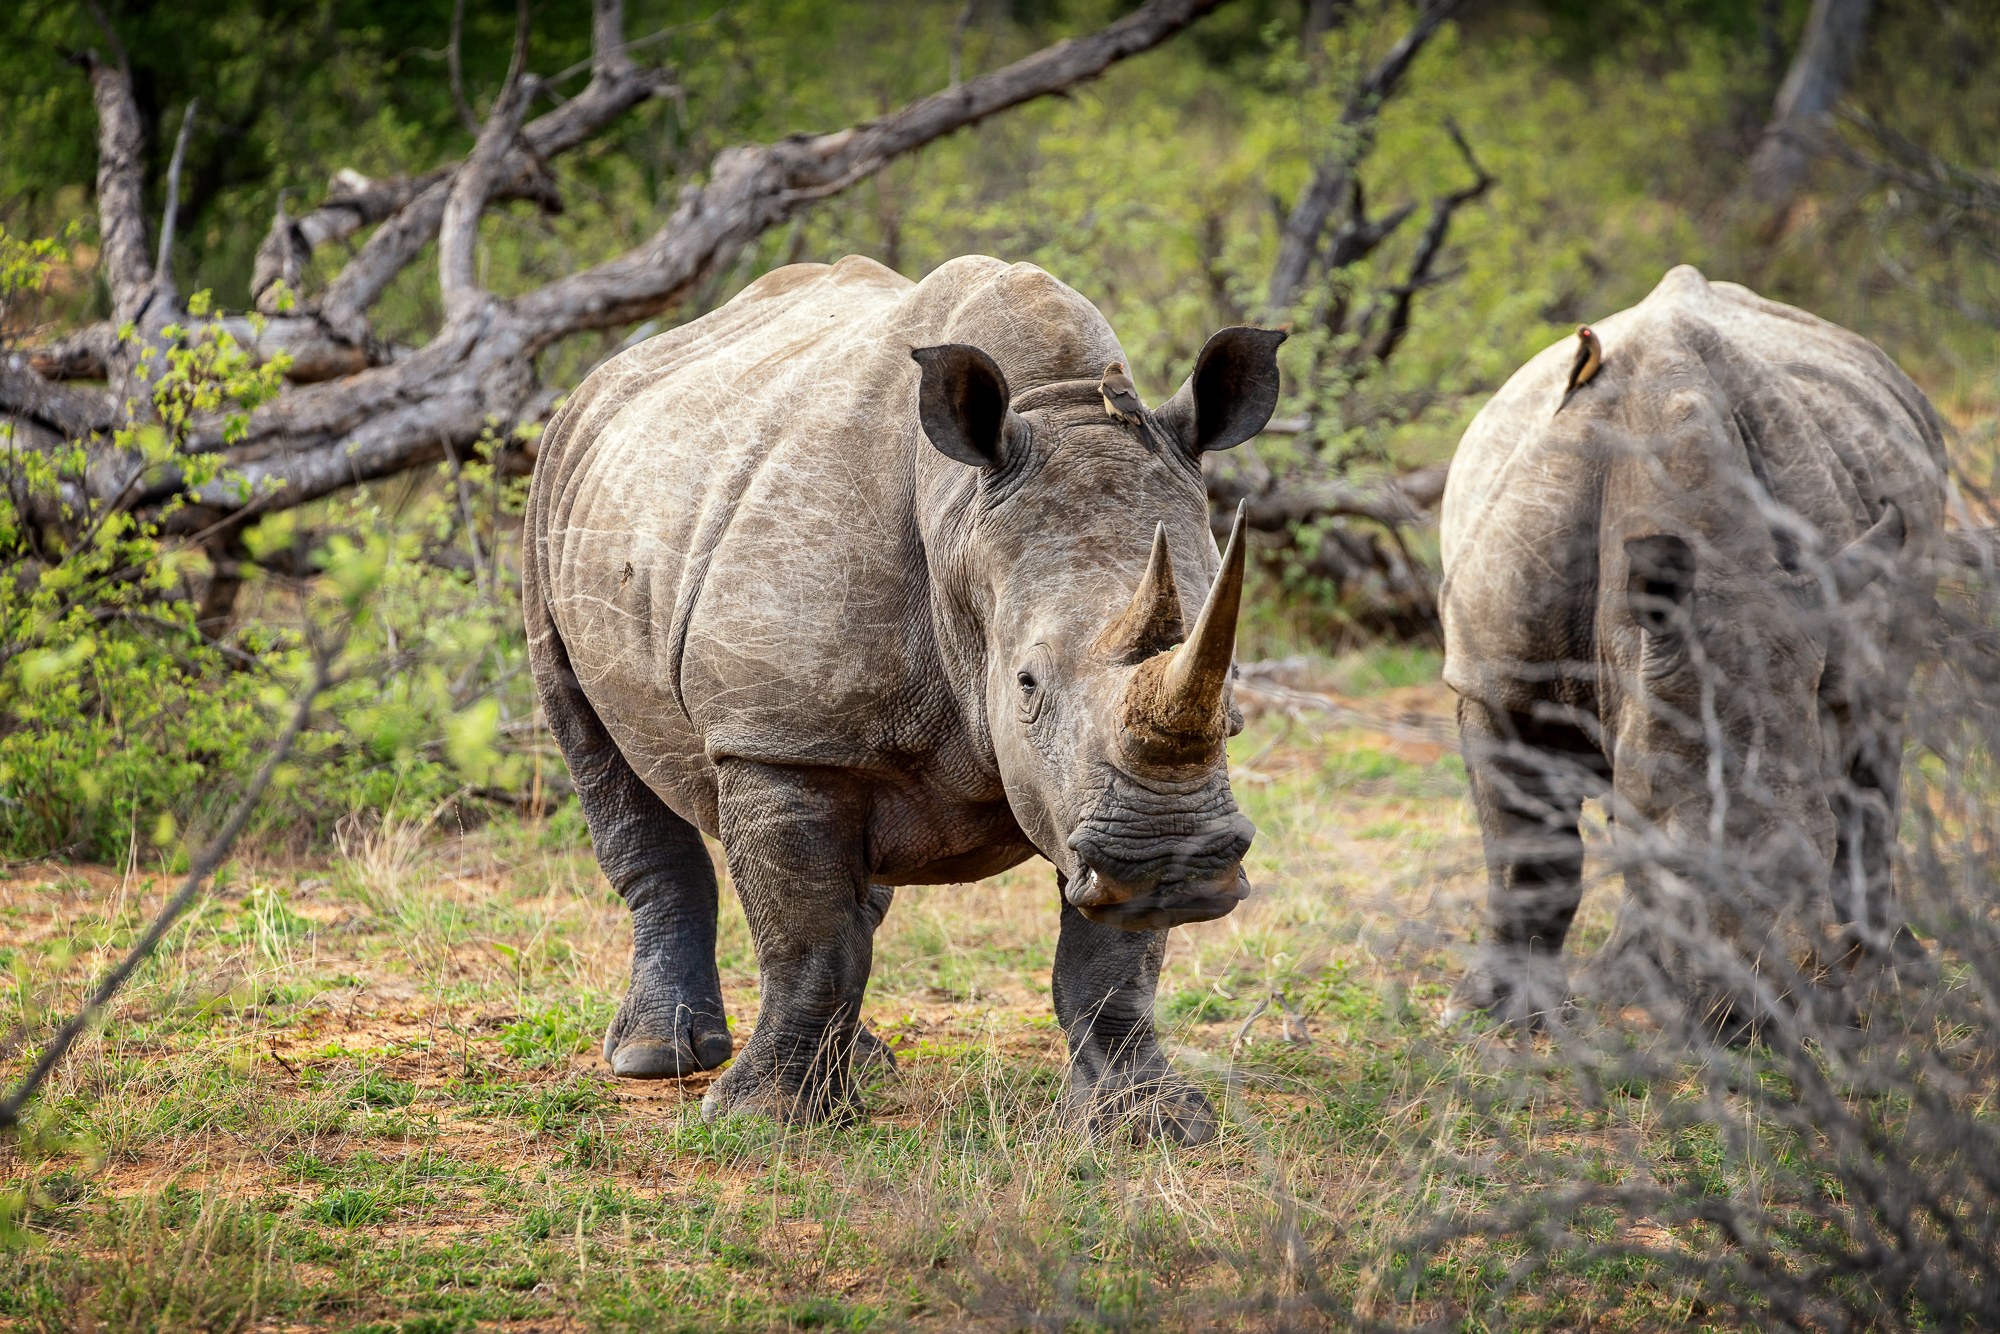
<point>122,724</point>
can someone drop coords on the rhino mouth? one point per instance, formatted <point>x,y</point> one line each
<point>1113,904</point>
<point>1141,886</point>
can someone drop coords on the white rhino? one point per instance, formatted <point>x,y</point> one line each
<point>859,576</point>
<point>1695,587</point>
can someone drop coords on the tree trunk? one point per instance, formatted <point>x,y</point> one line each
<point>1834,35</point>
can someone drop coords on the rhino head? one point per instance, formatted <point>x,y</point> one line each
<point>1107,709</point>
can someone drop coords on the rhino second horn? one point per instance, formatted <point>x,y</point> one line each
<point>1199,672</point>
<point>1152,622</point>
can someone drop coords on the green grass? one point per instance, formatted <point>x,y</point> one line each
<point>376,1103</point>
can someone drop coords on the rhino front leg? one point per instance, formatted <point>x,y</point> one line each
<point>1529,779</point>
<point>1865,801</point>
<point>1104,982</point>
<point>795,840</point>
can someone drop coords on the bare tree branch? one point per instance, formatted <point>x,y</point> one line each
<point>121,175</point>
<point>610,53</point>
<point>163,268</point>
<point>1429,246</point>
<point>1358,238</point>
<point>1963,204</point>
<point>753,189</point>
<point>1383,585</point>
<point>70,413</point>
<point>392,411</point>
<point>1921,170</point>
<point>398,242</point>
<point>412,209</point>
<point>607,55</point>
<point>459,227</point>
<point>355,202</point>
<point>1300,516</point>
<point>1298,244</point>
<point>1271,506</point>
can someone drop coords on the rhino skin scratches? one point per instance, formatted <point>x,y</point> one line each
<point>764,605</point>
<point>1743,493</point>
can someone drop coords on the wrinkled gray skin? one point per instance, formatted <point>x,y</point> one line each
<point>844,575</point>
<point>1695,591</point>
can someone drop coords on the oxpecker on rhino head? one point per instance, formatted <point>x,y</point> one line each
<point>1107,703</point>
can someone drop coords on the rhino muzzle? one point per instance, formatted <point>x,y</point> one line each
<point>1139,881</point>
<point>1115,903</point>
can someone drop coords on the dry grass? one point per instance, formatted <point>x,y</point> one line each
<point>367,1092</point>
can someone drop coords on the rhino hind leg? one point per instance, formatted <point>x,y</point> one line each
<point>671,1022</point>
<point>796,842</point>
<point>1529,779</point>
<point>1120,1081</point>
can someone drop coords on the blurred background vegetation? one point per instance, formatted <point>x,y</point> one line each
<point>1555,156</point>
<point>1616,135</point>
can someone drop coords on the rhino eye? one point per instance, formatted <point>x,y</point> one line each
<point>1029,676</point>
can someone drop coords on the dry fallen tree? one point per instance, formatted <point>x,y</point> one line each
<point>358,410</point>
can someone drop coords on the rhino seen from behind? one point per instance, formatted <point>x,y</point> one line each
<point>1686,562</point>
<point>859,576</point>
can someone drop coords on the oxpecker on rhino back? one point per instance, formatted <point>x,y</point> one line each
<point>1695,591</point>
<point>858,576</point>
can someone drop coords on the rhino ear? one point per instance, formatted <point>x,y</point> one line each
<point>1231,394</point>
<point>963,404</point>
<point>1864,560</point>
<point>1659,577</point>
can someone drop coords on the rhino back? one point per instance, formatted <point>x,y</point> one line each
<point>1709,395</point>
<point>735,560</point>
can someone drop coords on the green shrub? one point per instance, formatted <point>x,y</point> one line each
<point>123,729</point>
<point>117,719</point>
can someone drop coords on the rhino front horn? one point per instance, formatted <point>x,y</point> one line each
<point>1199,672</point>
<point>1173,707</point>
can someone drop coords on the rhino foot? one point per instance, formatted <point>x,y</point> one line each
<point>1511,986</point>
<point>746,1090</point>
<point>1160,1106</point>
<point>662,1032</point>
<point>872,1057</point>
<point>741,1093</point>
